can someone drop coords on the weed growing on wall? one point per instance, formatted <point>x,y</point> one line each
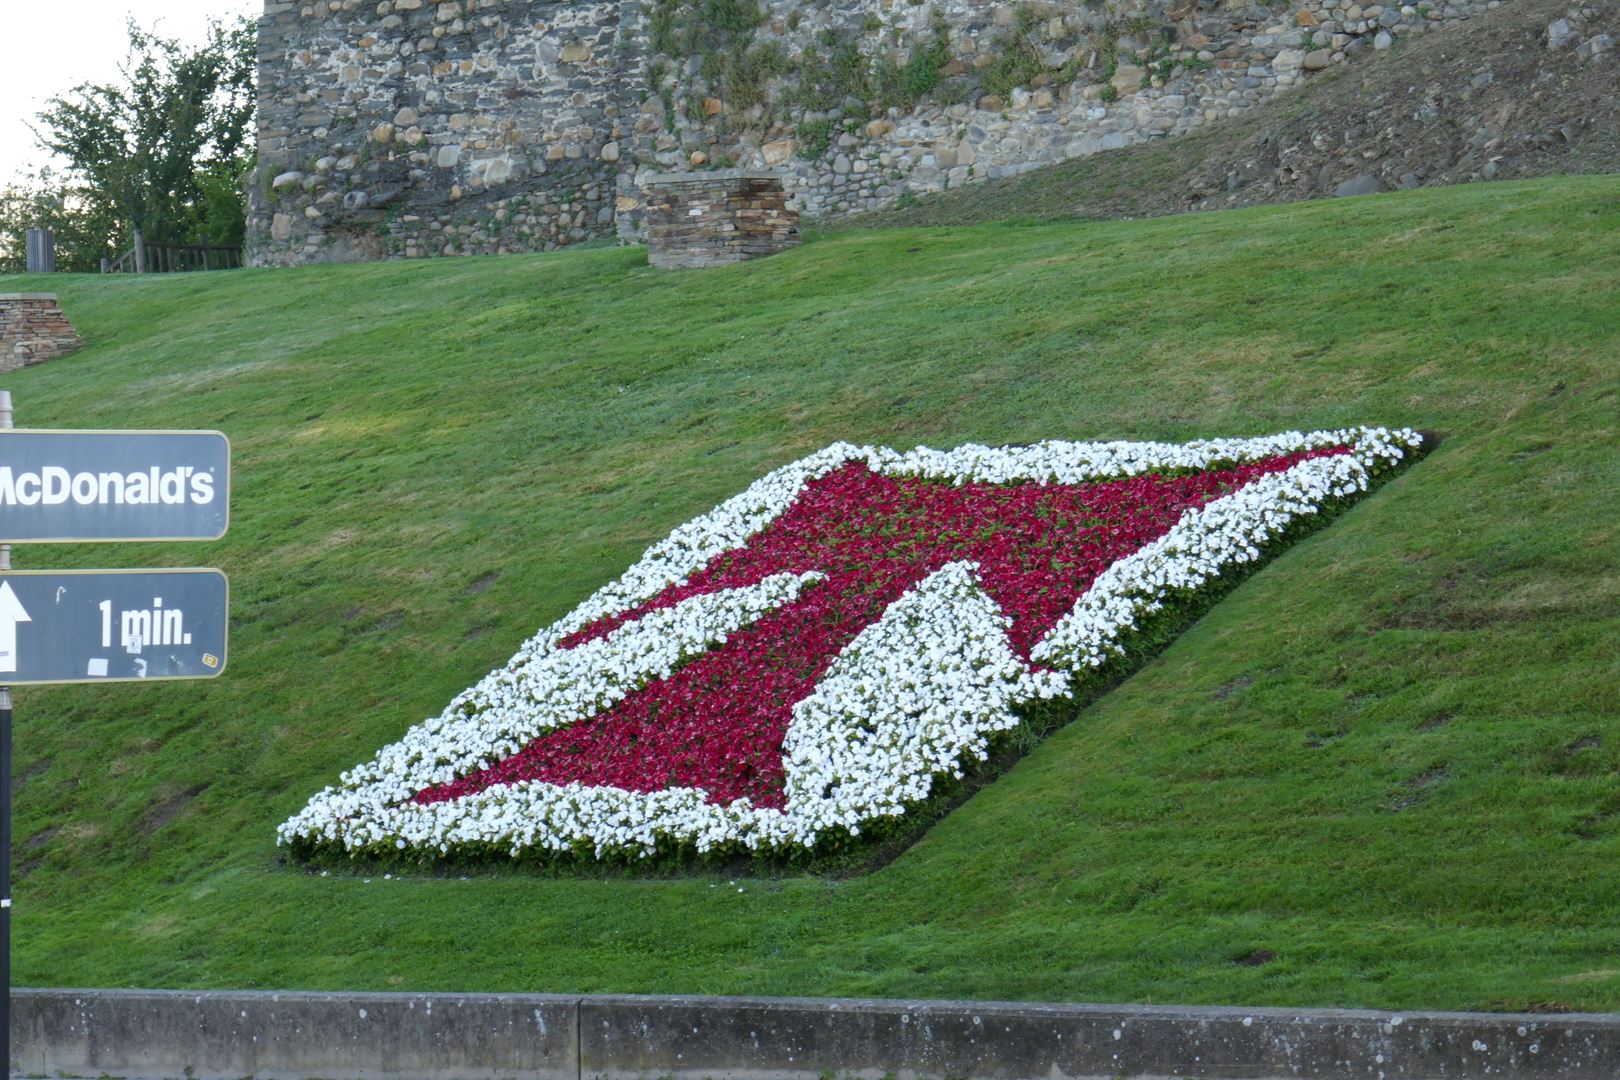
<point>719,68</point>
<point>903,85</point>
<point>1017,60</point>
<point>815,137</point>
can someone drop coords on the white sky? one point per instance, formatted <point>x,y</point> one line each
<point>50,46</point>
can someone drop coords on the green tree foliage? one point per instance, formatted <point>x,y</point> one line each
<point>86,228</point>
<point>164,148</point>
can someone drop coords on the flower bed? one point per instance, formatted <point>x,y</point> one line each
<point>812,656</point>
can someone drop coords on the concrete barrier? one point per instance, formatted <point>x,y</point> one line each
<point>292,1036</point>
<point>205,1035</point>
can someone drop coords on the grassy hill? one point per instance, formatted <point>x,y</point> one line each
<point>1384,772</point>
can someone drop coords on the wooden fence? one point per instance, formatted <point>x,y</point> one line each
<point>147,257</point>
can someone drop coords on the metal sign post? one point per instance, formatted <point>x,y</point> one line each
<point>103,625</point>
<point>5,808</point>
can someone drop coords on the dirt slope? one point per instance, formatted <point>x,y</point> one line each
<point>1532,89</point>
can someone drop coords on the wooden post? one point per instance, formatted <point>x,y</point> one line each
<point>140,253</point>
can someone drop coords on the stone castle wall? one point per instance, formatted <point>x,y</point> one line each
<point>394,128</point>
<point>415,127</point>
<point>1202,61</point>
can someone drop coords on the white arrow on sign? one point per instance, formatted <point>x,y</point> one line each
<point>11,613</point>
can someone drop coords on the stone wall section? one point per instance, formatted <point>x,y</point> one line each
<point>435,127</point>
<point>716,218</point>
<point>407,128</point>
<point>33,329</point>
<point>1224,58</point>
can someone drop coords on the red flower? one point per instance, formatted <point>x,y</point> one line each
<point>718,723</point>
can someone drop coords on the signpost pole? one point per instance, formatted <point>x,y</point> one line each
<point>5,817</point>
<point>5,868</point>
<point>95,625</point>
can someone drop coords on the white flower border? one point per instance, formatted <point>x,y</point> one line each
<point>916,694</point>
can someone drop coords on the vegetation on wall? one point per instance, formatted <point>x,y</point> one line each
<point>1015,60</point>
<point>833,68</point>
<point>718,64</point>
<point>712,49</point>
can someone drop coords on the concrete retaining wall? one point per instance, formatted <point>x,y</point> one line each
<point>271,1036</point>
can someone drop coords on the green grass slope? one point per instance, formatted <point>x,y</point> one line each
<point>1384,772</point>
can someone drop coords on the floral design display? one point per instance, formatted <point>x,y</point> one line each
<point>810,657</point>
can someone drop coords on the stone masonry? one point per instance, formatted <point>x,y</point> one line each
<point>715,218</point>
<point>1200,62</point>
<point>33,330</point>
<point>434,127</point>
<point>406,128</point>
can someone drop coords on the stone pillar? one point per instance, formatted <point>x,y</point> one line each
<point>33,330</point>
<point>715,218</point>
<point>41,251</point>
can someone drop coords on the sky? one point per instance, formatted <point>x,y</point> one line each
<point>51,46</point>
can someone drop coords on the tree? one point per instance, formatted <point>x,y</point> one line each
<point>86,229</point>
<point>166,147</point>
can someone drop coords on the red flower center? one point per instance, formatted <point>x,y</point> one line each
<point>718,722</point>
